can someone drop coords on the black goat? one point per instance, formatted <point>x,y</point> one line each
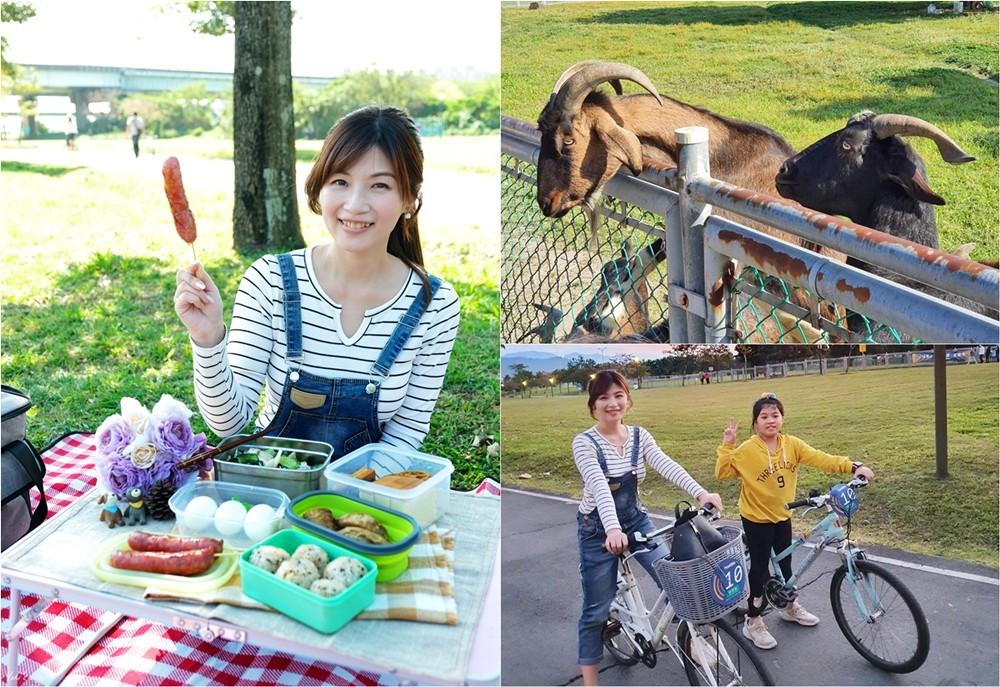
<point>866,172</point>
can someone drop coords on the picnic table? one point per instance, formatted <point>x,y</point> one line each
<point>64,625</point>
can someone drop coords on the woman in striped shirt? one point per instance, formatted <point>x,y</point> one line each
<point>612,458</point>
<point>349,340</point>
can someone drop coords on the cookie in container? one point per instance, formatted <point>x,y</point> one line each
<point>401,530</point>
<point>402,479</point>
<point>313,608</point>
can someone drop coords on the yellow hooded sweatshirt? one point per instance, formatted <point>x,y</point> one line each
<point>769,478</point>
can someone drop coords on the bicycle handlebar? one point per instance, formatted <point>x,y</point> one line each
<point>636,538</point>
<point>817,501</point>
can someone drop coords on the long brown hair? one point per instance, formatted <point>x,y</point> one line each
<point>393,132</point>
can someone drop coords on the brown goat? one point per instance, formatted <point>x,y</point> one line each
<point>586,137</point>
<point>619,307</point>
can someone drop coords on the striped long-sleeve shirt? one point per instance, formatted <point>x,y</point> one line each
<point>230,377</point>
<point>597,493</point>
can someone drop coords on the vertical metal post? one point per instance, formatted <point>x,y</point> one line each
<point>676,315</point>
<point>692,162</point>
<point>940,412</point>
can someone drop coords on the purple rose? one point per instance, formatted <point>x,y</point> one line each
<point>172,434</point>
<point>119,475</point>
<point>114,435</point>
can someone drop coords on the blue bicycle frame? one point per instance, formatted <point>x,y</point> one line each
<point>832,530</point>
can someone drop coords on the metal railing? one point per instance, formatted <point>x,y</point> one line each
<point>552,268</point>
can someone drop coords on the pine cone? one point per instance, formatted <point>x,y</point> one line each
<point>157,499</point>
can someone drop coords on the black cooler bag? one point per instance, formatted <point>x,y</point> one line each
<point>22,471</point>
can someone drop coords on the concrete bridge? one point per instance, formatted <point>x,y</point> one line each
<point>84,84</point>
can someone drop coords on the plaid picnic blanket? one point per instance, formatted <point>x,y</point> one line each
<point>139,652</point>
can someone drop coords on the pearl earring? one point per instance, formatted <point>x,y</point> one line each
<point>408,215</point>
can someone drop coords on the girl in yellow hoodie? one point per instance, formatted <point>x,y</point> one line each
<point>768,464</point>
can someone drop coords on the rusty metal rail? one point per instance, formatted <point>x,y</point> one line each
<point>699,246</point>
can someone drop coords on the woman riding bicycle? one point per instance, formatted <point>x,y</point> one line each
<point>611,458</point>
<point>767,463</point>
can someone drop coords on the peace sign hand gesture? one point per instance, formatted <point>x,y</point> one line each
<point>729,434</point>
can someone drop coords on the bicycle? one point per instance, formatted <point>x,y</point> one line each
<point>711,652</point>
<point>890,629</point>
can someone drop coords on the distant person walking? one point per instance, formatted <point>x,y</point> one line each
<point>134,127</point>
<point>71,131</point>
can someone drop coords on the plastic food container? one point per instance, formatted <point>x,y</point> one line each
<point>291,482</point>
<point>425,502</point>
<point>213,578</point>
<point>392,559</point>
<point>326,614</point>
<point>236,534</point>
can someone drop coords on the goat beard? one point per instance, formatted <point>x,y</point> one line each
<point>593,204</point>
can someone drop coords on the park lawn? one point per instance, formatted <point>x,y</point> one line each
<point>800,68</point>
<point>89,257</point>
<point>882,417</point>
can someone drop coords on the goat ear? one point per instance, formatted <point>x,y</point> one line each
<point>902,171</point>
<point>624,146</point>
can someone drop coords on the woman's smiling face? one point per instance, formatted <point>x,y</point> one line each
<point>611,405</point>
<point>361,205</point>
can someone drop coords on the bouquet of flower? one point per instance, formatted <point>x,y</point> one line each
<point>141,448</point>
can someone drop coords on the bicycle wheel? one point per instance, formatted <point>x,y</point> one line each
<point>897,638</point>
<point>617,642</point>
<point>731,659</point>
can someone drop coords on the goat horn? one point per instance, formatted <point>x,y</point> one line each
<point>615,83</point>
<point>578,86</point>
<point>903,125</point>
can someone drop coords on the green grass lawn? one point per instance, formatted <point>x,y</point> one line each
<point>801,68</point>
<point>89,258</point>
<point>882,417</point>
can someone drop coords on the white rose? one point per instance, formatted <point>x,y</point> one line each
<point>141,452</point>
<point>169,406</point>
<point>135,414</point>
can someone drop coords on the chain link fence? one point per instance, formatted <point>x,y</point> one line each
<point>583,278</point>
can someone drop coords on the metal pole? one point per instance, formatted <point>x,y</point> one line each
<point>940,412</point>
<point>693,163</point>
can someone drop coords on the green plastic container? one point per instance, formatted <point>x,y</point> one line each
<point>392,559</point>
<point>326,614</point>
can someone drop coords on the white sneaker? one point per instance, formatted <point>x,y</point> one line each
<point>703,652</point>
<point>757,633</point>
<point>794,613</point>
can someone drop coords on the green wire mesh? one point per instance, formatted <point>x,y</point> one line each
<point>551,280</point>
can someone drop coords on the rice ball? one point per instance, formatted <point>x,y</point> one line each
<point>325,587</point>
<point>314,554</point>
<point>298,571</point>
<point>268,557</point>
<point>345,568</point>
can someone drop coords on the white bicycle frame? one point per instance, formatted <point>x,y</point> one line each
<point>638,619</point>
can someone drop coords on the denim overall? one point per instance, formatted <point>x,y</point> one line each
<point>341,412</point>
<point>599,568</point>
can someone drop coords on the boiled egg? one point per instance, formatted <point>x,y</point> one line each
<point>199,514</point>
<point>229,517</point>
<point>261,522</point>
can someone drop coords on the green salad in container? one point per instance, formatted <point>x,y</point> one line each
<point>271,458</point>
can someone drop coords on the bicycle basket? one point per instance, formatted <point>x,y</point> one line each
<point>708,587</point>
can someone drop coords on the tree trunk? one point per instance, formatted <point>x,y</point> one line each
<point>265,208</point>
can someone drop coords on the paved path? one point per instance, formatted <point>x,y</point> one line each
<point>541,600</point>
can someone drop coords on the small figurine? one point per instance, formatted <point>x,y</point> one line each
<point>135,512</point>
<point>110,513</point>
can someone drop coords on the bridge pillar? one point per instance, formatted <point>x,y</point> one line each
<point>81,102</point>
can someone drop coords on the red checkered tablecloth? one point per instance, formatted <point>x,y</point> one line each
<point>135,651</point>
